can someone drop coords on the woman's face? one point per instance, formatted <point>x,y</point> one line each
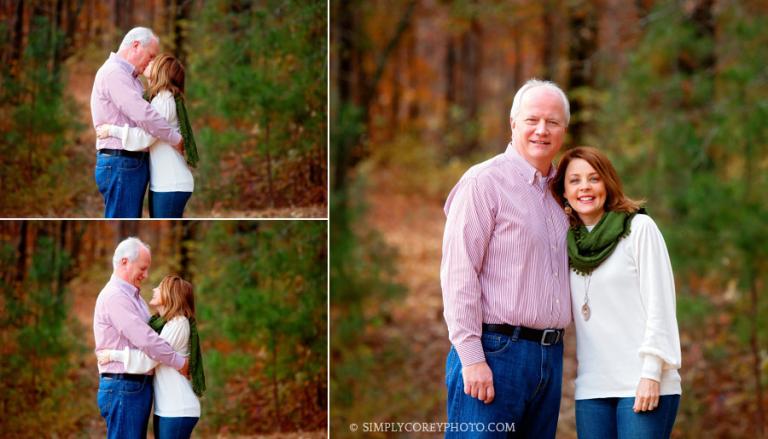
<point>148,70</point>
<point>157,300</point>
<point>585,191</point>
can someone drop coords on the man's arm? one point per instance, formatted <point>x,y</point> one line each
<point>138,332</point>
<point>133,105</point>
<point>468,229</point>
<point>175,332</point>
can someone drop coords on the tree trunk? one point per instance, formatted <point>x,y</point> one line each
<point>275,383</point>
<point>583,39</point>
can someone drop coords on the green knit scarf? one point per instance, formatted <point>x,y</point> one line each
<point>195,355</point>
<point>587,250</point>
<point>190,147</point>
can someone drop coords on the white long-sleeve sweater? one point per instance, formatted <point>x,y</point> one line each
<point>168,170</point>
<point>174,396</point>
<point>632,331</point>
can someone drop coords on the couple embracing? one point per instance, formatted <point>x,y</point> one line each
<point>139,142</point>
<point>144,359</point>
<point>528,248</point>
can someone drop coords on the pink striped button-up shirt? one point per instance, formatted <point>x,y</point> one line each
<point>117,99</point>
<point>504,253</point>
<point>120,320</point>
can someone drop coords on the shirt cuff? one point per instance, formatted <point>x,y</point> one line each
<point>175,138</point>
<point>651,367</point>
<point>470,352</point>
<point>178,361</point>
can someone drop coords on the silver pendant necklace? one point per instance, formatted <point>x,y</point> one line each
<point>585,311</point>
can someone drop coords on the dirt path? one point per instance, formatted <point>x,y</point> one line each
<point>414,225</point>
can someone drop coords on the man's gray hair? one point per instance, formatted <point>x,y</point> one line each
<point>533,83</point>
<point>143,35</point>
<point>128,248</point>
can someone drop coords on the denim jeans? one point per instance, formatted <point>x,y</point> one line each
<point>607,418</point>
<point>167,204</point>
<point>122,182</point>
<point>173,428</point>
<point>126,406</point>
<point>527,379</point>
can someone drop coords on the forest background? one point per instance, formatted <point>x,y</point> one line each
<point>261,307</point>
<point>256,79</point>
<point>676,94</point>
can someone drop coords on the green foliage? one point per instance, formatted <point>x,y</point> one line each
<point>362,272</point>
<point>39,342</point>
<point>259,81</point>
<point>39,126</point>
<point>263,304</point>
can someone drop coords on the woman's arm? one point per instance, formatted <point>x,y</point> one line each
<point>660,348</point>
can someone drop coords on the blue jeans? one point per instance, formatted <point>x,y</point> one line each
<point>607,418</point>
<point>173,428</point>
<point>527,379</point>
<point>167,204</point>
<point>122,182</point>
<point>126,406</point>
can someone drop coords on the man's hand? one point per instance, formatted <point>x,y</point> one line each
<point>185,368</point>
<point>647,396</point>
<point>103,356</point>
<point>180,146</point>
<point>102,131</point>
<point>478,382</point>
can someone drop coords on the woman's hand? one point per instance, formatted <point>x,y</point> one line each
<point>647,396</point>
<point>102,131</point>
<point>103,357</point>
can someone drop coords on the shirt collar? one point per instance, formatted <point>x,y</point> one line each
<point>527,170</point>
<point>124,286</point>
<point>125,65</point>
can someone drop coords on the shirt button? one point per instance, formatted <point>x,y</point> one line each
<point>557,301</point>
<point>555,274</point>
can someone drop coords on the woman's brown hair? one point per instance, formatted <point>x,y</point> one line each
<point>166,73</point>
<point>615,200</point>
<point>177,297</point>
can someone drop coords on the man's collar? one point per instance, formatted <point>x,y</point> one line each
<point>526,170</point>
<point>123,285</point>
<point>124,64</point>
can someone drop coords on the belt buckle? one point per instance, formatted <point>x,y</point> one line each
<point>544,337</point>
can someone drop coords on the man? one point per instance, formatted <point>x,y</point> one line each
<point>505,280</point>
<point>117,99</point>
<point>119,322</point>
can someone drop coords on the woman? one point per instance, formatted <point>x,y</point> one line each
<point>177,408</point>
<point>623,301</point>
<point>170,180</point>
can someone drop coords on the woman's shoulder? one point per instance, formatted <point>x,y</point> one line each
<point>643,228</point>
<point>163,95</point>
<point>178,321</point>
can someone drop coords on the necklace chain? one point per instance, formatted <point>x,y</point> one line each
<point>585,310</point>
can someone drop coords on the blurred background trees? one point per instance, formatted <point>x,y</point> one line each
<point>674,92</point>
<point>256,91</point>
<point>260,292</point>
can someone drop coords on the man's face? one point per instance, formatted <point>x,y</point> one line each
<point>145,55</point>
<point>138,270</point>
<point>539,128</point>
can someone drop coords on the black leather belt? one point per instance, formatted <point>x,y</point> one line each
<point>123,153</point>
<point>127,376</point>
<point>545,337</point>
